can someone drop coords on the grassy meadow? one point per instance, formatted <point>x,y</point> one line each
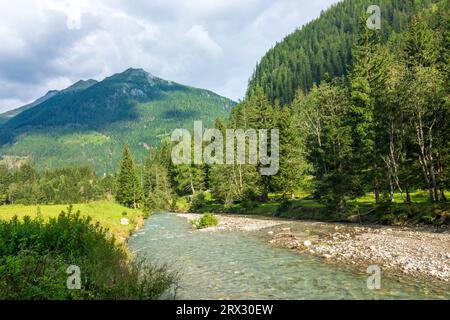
<point>107,213</point>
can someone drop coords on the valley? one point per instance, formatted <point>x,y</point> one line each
<point>332,171</point>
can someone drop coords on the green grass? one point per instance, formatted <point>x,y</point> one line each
<point>418,196</point>
<point>107,213</point>
<point>35,255</point>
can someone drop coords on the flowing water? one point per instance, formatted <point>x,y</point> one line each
<point>239,265</point>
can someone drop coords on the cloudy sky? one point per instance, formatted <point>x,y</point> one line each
<point>212,44</point>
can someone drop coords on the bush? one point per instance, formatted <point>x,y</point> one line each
<point>283,207</point>
<point>158,201</point>
<point>181,205</point>
<point>35,255</point>
<point>30,275</point>
<point>249,200</point>
<point>206,220</point>
<point>198,202</point>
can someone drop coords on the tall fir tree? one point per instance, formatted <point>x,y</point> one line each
<point>292,166</point>
<point>129,190</point>
<point>367,88</point>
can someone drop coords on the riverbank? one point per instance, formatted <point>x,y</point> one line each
<point>412,251</point>
<point>37,254</point>
<point>234,223</point>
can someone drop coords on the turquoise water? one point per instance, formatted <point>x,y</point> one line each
<point>238,265</point>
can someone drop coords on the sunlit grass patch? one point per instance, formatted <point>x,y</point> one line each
<point>107,213</point>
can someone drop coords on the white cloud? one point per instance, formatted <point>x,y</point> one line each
<point>213,44</point>
<point>198,36</point>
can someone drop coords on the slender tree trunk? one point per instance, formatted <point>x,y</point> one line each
<point>192,185</point>
<point>423,158</point>
<point>431,160</point>
<point>408,194</point>
<point>192,188</point>
<point>375,180</point>
<point>391,191</point>
<point>433,179</point>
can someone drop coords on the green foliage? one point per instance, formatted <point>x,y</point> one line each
<point>182,204</point>
<point>283,207</point>
<point>188,178</point>
<point>129,190</point>
<point>29,275</point>
<point>206,220</point>
<point>292,162</point>
<point>383,128</point>
<point>198,201</point>
<point>328,143</point>
<point>34,257</point>
<point>59,186</point>
<point>249,199</point>
<point>358,111</point>
<point>157,188</point>
<point>323,47</point>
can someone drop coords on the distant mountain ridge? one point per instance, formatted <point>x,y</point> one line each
<point>12,113</point>
<point>80,85</point>
<point>88,122</point>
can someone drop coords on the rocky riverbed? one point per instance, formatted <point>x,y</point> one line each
<point>235,223</point>
<point>417,252</point>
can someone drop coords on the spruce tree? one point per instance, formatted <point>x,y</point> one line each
<point>292,168</point>
<point>129,190</point>
<point>157,188</point>
<point>367,85</point>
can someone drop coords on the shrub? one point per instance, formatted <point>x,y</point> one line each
<point>181,205</point>
<point>283,207</point>
<point>29,275</point>
<point>206,220</point>
<point>35,255</point>
<point>198,202</point>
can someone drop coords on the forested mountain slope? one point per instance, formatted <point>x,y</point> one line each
<point>88,124</point>
<point>80,85</point>
<point>324,46</point>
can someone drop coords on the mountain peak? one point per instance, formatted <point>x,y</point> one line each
<point>132,75</point>
<point>137,72</point>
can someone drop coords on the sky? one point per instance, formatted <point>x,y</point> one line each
<point>212,44</point>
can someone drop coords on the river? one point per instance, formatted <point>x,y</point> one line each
<point>239,265</point>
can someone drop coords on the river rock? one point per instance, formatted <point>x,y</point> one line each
<point>353,218</point>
